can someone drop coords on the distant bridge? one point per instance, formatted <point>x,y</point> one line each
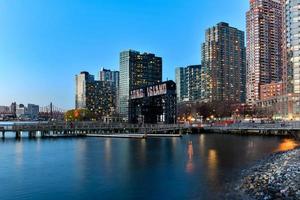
<point>51,112</point>
<point>93,129</point>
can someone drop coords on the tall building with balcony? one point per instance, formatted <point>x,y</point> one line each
<point>188,81</point>
<point>223,64</point>
<point>137,70</point>
<point>264,46</point>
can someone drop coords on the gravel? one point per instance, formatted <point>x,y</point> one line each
<point>277,177</point>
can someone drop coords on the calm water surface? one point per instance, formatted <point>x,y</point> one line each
<point>99,168</point>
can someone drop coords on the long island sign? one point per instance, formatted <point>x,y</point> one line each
<point>149,91</point>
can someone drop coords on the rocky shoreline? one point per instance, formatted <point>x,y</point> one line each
<point>277,177</point>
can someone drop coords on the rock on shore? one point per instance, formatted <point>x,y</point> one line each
<point>277,177</point>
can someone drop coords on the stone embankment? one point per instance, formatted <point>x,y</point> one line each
<point>277,177</point>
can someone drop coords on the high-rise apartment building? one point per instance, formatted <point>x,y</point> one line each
<point>291,44</point>
<point>137,70</point>
<point>264,46</point>
<point>223,64</point>
<point>112,77</point>
<point>99,97</point>
<point>188,82</point>
<point>291,58</point>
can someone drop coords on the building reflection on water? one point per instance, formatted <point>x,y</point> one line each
<point>190,164</point>
<point>107,150</point>
<point>212,161</point>
<point>19,154</point>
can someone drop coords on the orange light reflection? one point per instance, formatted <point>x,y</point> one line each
<point>287,144</point>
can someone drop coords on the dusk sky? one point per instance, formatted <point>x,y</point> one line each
<point>44,43</point>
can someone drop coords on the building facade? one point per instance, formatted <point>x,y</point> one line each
<point>188,83</point>
<point>154,104</point>
<point>137,70</point>
<point>223,64</point>
<point>264,46</point>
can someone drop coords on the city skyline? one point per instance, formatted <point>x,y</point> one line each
<point>42,52</point>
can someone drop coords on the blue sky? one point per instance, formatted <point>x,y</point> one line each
<point>44,43</point>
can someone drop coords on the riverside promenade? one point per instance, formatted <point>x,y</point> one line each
<point>92,129</point>
<point>278,128</point>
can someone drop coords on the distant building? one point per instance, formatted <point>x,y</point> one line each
<point>4,110</point>
<point>32,111</point>
<point>13,108</point>
<point>153,104</point>
<point>112,77</point>
<point>188,83</point>
<point>81,80</point>
<point>20,110</point>
<point>264,46</point>
<point>223,64</point>
<point>137,70</point>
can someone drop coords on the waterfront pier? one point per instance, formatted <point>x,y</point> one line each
<point>92,129</point>
<point>279,129</point>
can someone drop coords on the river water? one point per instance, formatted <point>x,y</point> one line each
<point>191,167</point>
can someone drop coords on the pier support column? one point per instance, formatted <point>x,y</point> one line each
<point>32,134</point>
<point>3,134</point>
<point>181,132</point>
<point>43,133</point>
<point>18,134</point>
